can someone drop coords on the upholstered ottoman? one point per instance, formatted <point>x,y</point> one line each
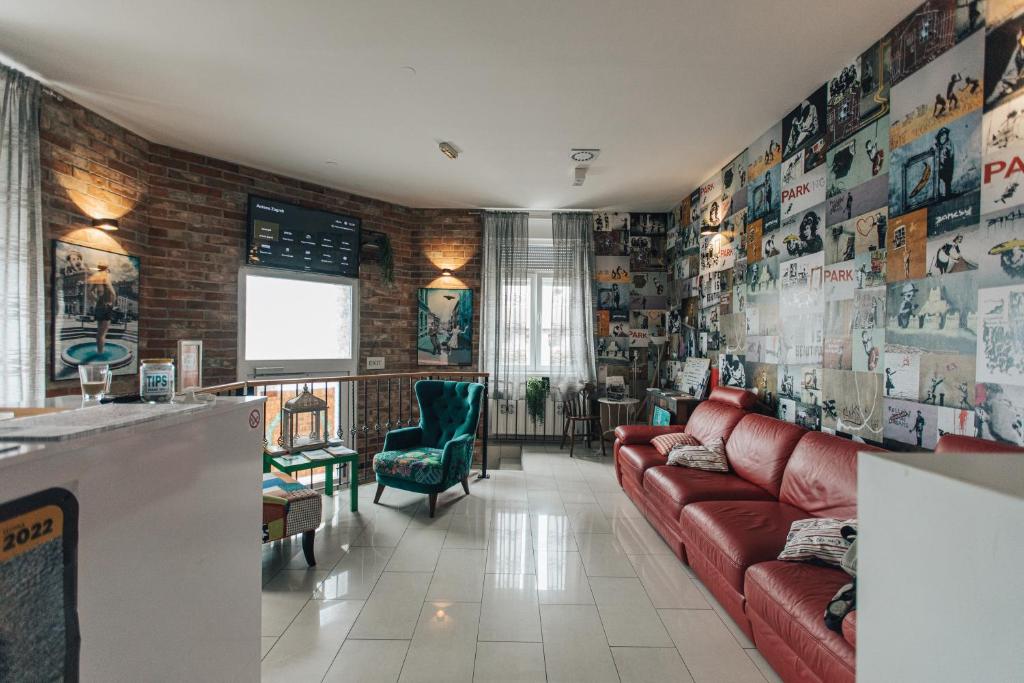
<point>290,508</point>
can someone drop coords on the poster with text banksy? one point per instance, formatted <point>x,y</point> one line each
<point>859,93</point>
<point>852,404</point>
<point>936,167</point>
<point>953,251</point>
<point>1000,248</point>
<point>765,152</point>
<point>646,252</point>
<point>648,223</point>
<point>614,298</point>
<point>944,90</point>
<point>805,125</point>
<point>934,314</point>
<point>801,188</point>
<point>734,176</point>
<point>845,204</point>
<point>999,412</point>
<point>1003,172</point>
<point>649,290</point>
<point>608,221</point>
<point>858,159</point>
<point>957,421</point>
<point>763,193</point>
<point>902,371</point>
<point>1000,357</point>
<point>1004,52</point>
<point>801,306</point>
<point>801,232</point>
<point>910,423</point>
<point>906,246</point>
<point>860,234</point>
<point>946,379</point>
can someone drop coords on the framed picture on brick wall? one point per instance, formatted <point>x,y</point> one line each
<point>95,310</point>
<point>445,326</point>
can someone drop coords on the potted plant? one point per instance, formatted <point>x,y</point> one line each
<point>376,246</point>
<point>537,390</point>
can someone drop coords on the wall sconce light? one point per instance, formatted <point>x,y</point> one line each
<point>447,272</point>
<point>704,232</point>
<point>108,224</point>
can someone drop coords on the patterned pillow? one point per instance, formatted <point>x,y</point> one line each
<point>709,457</point>
<point>819,538</point>
<point>665,442</point>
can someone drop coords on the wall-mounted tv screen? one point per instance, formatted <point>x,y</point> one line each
<point>283,235</point>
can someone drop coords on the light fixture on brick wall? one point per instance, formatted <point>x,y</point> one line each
<point>108,224</point>
<point>447,272</point>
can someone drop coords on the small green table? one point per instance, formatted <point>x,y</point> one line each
<point>326,458</point>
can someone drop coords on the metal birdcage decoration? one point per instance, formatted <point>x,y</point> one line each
<point>293,437</point>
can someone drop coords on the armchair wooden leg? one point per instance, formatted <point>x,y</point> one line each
<point>572,439</point>
<point>433,503</point>
<point>376,496</point>
<point>565,430</point>
<point>465,484</point>
<point>307,546</point>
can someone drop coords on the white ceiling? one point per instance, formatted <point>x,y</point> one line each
<point>668,89</point>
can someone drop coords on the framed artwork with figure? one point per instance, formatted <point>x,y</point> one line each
<point>445,326</point>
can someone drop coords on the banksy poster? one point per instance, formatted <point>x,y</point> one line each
<point>902,372</point>
<point>445,326</point>
<point>859,93</point>
<point>801,188</point>
<point>734,175</point>
<point>646,252</point>
<point>648,223</point>
<point>868,346</point>
<point>762,379</point>
<point>762,280</point>
<point>944,90</point>
<point>1000,248</point>
<point>843,241</point>
<point>869,269</point>
<point>612,269</point>
<point>909,423</point>
<point>906,246</point>
<point>714,213</point>
<point>839,282</point>
<point>852,404</point>
<point>959,421</point>
<point>953,251</point>
<point>837,352</point>
<point>802,232</point>
<point>869,308</point>
<point>763,193</point>
<point>649,290</point>
<point>801,308</point>
<point>1004,53</point>
<point>936,167</point>
<point>805,125</point>
<point>765,152</point>
<point>1003,172</point>
<point>611,243</point>
<point>842,205</point>
<point>762,349</point>
<point>618,328</point>
<point>614,298</point>
<point>731,371</point>
<point>838,318</point>
<point>999,412</point>
<point>717,253</point>
<point>946,379</point>
<point>610,221</point>
<point>858,159</point>
<point>925,34</point>
<point>937,314</point>
<point>613,350</point>
<point>602,324</point>
<point>710,189</point>
<point>1000,355</point>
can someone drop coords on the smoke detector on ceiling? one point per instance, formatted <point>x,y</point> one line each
<point>583,156</point>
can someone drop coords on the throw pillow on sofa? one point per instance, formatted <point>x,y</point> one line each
<point>818,538</point>
<point>664,443</point>
<point>709,457</point>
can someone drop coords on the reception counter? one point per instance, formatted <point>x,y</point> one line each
<point>162,564</point>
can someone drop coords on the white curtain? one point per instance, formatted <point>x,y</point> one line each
<point>504,340</point>
<point>572,313</point>
<point>22,333</point>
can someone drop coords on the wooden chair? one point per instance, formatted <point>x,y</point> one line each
<point>579,408</point>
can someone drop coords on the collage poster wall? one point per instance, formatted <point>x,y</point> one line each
<point>860,265</point>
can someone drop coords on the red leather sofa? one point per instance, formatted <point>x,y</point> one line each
<point>730,527</point>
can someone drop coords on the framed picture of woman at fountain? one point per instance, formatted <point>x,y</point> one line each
<point>445,327</point>
<point>95,310</point>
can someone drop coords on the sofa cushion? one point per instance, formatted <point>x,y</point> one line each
<point>759,448</point>
<point>821,475</point>
<point>791,599</point>
<point>709,457</point>
<point>734,396</point>
<point>732,535</point>
<point>421,465</point>
<point>713,419</point>
<point>642,434</point>
<point>637,459</point>
<point>850,627</point>
<point>674,487</point>
<point>666,442</point>
<point>817,538</point>
<point>955,443</point>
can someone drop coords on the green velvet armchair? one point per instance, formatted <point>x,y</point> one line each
<point>438,453</point>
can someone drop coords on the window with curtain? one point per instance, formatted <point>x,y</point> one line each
<point>542,346</point>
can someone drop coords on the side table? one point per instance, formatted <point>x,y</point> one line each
<point>626,406</point>
<point>311,460</point>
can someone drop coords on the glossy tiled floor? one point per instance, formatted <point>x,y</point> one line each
<point>549,573</point>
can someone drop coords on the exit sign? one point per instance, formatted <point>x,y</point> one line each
<point>375,363</point>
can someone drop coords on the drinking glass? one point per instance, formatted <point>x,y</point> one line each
<point>95,378</point>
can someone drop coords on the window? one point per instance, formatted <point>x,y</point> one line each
<point>537,343</point>
<point>295,324</point>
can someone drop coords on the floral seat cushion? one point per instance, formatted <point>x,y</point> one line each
<point>421,465</point>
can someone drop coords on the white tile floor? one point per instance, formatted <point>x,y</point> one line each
<point>544,574</point>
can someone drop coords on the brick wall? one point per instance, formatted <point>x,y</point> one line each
<point>184,215</point>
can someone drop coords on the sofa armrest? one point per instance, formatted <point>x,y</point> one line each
<point>636,434</point>
<point>400,439</point>
<point>457,457</point>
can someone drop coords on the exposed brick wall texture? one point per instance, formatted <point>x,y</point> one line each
<point>184,215</point>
